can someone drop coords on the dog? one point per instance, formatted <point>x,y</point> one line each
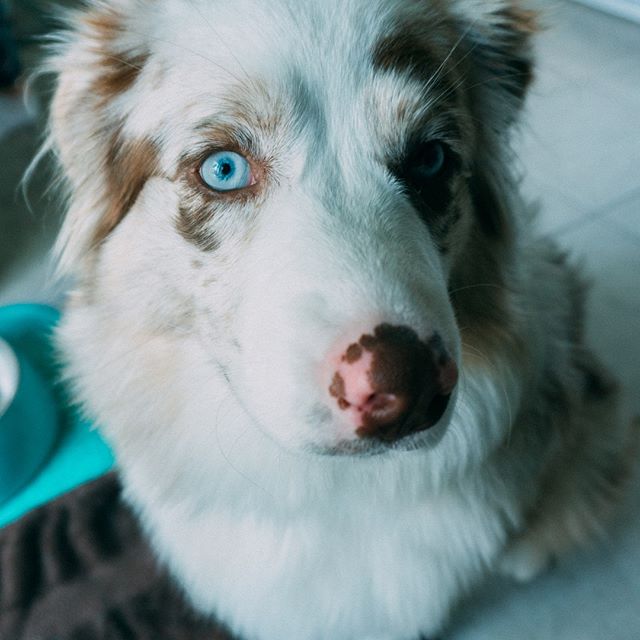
<point>343,378</point>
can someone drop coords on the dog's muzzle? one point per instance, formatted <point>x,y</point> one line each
<point>391,384</point>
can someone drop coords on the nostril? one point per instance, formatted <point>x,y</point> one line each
<point>384,408</point>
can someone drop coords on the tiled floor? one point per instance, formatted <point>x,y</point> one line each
<point>581,153</point>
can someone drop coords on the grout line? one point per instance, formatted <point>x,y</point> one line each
<point>599,212</point>
<point>622,9</point>
<point>629,235</point>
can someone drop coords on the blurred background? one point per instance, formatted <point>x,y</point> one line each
<point>579,149</point>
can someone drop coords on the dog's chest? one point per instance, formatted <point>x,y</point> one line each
<point>352,571</point>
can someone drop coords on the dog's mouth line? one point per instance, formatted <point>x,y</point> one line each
<point>425,438</point>
<point>405,437</point>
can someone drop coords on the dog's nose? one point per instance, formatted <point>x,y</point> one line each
<point>390,383</point>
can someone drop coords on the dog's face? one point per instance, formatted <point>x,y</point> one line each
<point>299,188</point>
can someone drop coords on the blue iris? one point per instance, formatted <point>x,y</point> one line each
<point>432,159</point>
<point>226,171</point>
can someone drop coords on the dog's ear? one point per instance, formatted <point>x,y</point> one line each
<point>98,67</point>
<point>496,38</point>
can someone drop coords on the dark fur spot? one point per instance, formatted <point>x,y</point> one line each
<point>118,72</point>
<point>192,225</point>
<point>480,296</point>
<point>128,165</point>
<point>405,52</point>
<point>439,200</point>
<point>118,68</point>
<point>502,50</point>
<point>430,195</point>
<point>597,383</point>
<point>488,207</point>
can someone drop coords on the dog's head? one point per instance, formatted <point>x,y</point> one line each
<point>307,191</point>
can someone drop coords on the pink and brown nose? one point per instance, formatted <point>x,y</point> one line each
<point>391,384</point>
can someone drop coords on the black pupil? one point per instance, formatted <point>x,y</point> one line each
<point>225,168</point>
<point>426,170</point>
<point>432,158</point>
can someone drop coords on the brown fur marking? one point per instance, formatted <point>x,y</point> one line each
<point>525,21</point>
<point>126,164</point>
<point>191,224</point>
<point>118,73</point>
<point>129,164</point>
<point>510,58</point>
<point>480,298</point>
<point>404,51</point>
<point>118,68</point>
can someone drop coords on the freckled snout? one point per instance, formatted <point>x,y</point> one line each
<point>390,384</point>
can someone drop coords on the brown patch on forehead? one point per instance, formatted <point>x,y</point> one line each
<point>418,52</point>
<point>118,73</point>
<point>117,67</point>
<point>129,164</point>
<point>404,52</point>
<point>107,21</point>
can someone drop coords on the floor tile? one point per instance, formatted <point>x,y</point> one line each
<point>556,211</point>
<point>581,134</point>
<point>625,218</point>
<point>584,144</point>
<point>572,32</point>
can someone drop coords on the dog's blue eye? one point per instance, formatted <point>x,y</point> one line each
<point>431,160</point>
<point>226,171</point>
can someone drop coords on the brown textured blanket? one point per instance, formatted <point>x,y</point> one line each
<point>78,568</point>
